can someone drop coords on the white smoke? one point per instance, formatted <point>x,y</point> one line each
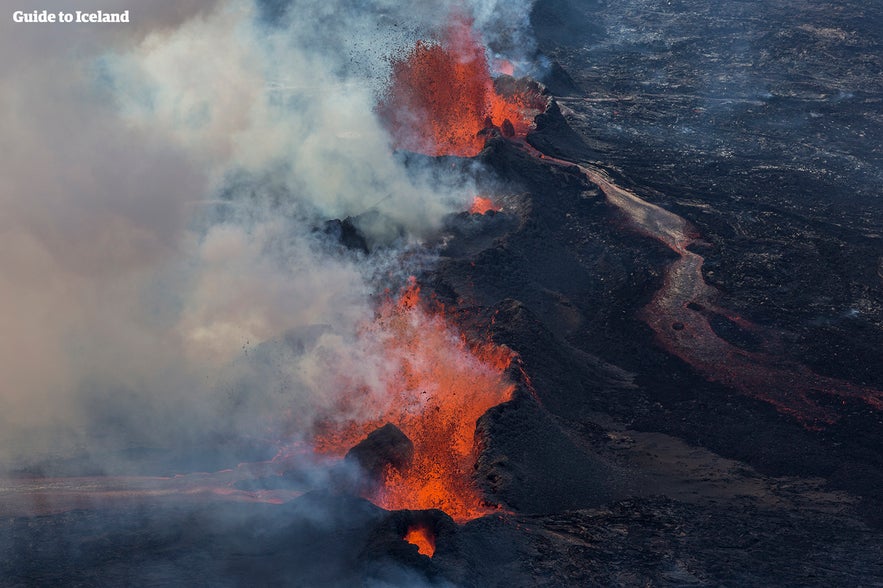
<point>163,272</point>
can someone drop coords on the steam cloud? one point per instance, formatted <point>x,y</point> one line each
<point>160,272</point>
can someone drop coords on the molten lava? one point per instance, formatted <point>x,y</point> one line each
<point>504,66</point>
<point>439,389</point>
<point>481,205</point>
<point>423,538</point>
<point>441,97</point>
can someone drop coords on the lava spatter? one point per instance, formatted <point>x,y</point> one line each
<point>441,386</point>
<point>441,97</point>
<point>482,205</point>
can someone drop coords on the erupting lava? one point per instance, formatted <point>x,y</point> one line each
<point>504,66</point>
<point>441,96</point>
<point>441,387</point>
<point>423,538</point>
<point>481,205</point>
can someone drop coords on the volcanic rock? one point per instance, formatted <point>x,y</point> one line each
<point>558,81</point>
<point>753,121</point>
<point>386,446</point>
<point>528,463</point>
<point>388,557</point>
<point>507,129</point>
<point>554,136</point>
<point>347,234</point>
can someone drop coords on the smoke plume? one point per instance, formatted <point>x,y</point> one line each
<point>165,275</point>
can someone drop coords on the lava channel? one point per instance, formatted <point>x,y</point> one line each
<point>678,315</point>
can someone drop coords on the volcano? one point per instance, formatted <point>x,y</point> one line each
<point>647,353</point>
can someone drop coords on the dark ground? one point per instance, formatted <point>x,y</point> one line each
<point>758,122</point>
<point>761,125</point>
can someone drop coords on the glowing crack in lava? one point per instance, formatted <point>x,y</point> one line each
<point>481,205</point>
<point>423,538</point>
<point>441,386</point>
<point>441,96</point>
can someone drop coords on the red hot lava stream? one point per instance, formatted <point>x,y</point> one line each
<point>44,496</point>
<point>678,316</point>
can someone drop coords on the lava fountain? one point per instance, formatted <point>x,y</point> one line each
<point>482,205</point>
<point>441,385</point>
<point>441,100</point>
<point>441,97</point>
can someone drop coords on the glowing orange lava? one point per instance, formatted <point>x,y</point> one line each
<point>504,66</point>
<point>441,386</point>
<point>481,205</point>
<point>423,538</point>
<point>441,96</point>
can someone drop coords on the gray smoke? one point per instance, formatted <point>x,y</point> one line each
<point>166,282</point>
<point>161,274</point>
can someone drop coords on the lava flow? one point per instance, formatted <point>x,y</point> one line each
<point>441,386</point>
<point>46,496</point>
<point>441,97</point>
<point>679,316</point>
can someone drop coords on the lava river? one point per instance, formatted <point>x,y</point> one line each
<point>679,316</point>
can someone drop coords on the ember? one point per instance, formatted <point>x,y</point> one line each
<point>440,389</point>
<point>441,97</point>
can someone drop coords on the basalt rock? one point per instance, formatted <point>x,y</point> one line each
<point>559,83</point>
<point>382,448</point>
<point>528,463</point>
<point>389,557</point>
<point>347,234</point>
